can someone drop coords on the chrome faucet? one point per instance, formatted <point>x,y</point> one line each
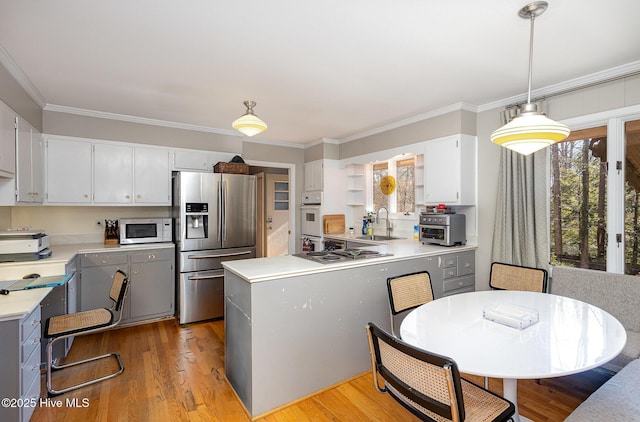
<point>388,221</point>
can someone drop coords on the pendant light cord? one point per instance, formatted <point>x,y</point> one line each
<point>533,16</point>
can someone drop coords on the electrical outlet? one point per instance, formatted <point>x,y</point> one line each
<point>99,225</point>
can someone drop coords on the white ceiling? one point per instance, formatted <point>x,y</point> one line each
<point>331,68</point>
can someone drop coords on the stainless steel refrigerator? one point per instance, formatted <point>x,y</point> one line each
<point>215,221</point>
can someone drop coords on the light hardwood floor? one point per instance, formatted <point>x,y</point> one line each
<point>175,373</point>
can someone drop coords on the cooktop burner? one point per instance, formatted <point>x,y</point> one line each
<point>319,253</point>
<point>330,257</point>
<point>340,255</point>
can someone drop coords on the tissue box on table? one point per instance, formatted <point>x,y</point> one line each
<point>514,316</point>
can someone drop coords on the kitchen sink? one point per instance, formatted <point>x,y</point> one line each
<point>378,237</point>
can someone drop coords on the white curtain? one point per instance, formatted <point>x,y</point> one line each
<point>522,221</point>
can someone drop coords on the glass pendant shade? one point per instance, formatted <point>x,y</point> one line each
<point>249,124</point>
<point>529,132</point>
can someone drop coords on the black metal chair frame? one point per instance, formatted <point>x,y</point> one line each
<point>394,385</point>
<point>392,304</point>
<point>116,315</point>
<point>545,279</point>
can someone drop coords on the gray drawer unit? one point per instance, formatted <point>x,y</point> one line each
<point>20,369</point>
<point>104,258</point>
<point>459,285</point>
<point>452,273</point>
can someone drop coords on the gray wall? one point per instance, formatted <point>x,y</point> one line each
<point>56,123</point>
<point>314,153</point>
<point>18,99</point>
<point>455,122</point>
<point>325,149</point>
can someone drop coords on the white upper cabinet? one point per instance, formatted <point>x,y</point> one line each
<point>69,171</point>
<point>313,175</point>
<point>192,160</point>
<point>7,141</point>
<point>450,170</point>
<point>113,174</point>
<point>151,176</point>
<point>88,172</point>
<point>29,164</point>
<point>198,160</point>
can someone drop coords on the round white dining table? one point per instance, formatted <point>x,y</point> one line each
<point>570,336</point>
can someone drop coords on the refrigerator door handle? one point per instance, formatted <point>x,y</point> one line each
<point>224,210</point>
<point>221,255</point>
<point>204,277</point>
<point>219,210</point>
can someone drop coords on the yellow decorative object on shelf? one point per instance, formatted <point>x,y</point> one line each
<point>388,185</point>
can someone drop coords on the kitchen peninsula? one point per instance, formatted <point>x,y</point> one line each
<point>294,327</point>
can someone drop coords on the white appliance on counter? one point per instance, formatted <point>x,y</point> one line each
<point>311,233</point>
<point>23,245</point>
<point>145,230</point>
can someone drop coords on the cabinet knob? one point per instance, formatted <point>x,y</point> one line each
<point>126,196</point>
<point>152,256</point>
<point>86,196</point>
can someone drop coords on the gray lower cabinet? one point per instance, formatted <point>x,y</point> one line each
<point>20,369</point>
<point>151,276</point>
<point>151,293</point>
<point>452,273</point>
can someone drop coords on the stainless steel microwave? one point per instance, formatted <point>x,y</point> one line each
<point>145,230</point>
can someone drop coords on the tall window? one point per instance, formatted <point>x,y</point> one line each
<point>379,199</point>
<point>578,200</point>
<point>402,200</point>
<point>406,190</point>
<point>632,197</point>
<point>595,222</point>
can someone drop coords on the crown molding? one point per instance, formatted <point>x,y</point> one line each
<point>581,82</point>
<point>276,143</point>
<point>322,141</point>
<point>162,123</point>
<point>135,119</point>
<point>410,120</point>
<point>17,73</point>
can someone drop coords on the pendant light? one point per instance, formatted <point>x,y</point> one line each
<point>249,123</point>
<point>530,130</point>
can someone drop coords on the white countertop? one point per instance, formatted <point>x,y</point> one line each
<point>62,254</point>
<point>18,303</point>
<point>262,269</point>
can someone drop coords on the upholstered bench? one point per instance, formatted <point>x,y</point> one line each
<point>617,294</point>
<point>615,400</point>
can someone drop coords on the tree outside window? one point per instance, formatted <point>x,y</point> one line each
<point>402,200</point>
<point>579,199</point>
<point>406,188</point>
<point>379,199</point>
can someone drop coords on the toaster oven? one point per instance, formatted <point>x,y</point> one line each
<point>443,229</point>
